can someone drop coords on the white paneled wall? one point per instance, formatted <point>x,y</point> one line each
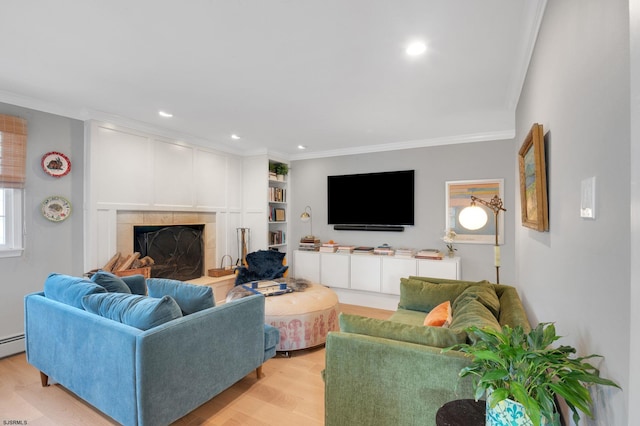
<point>119,167</point>
<point>174,183</point>
<point>127,169</point>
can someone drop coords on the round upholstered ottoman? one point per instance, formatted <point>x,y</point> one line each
<point>303,317</point>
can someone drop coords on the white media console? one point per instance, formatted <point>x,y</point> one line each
<point>367,279</point>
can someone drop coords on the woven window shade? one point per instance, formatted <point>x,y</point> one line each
<point>13,151</point>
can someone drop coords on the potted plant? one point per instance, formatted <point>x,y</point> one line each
<point>272,171</point>
<point>523,367</point>
<point>281,171</point>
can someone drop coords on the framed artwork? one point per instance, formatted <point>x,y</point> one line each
<point>533,181</point>
<point>458,196</point>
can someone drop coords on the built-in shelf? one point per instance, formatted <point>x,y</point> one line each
<point>278,207</point>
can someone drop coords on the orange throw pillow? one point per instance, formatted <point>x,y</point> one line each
<point>440,316</point>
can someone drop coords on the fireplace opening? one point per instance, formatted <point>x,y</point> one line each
<point>177,250</point>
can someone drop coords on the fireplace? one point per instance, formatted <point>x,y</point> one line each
<point>178,250</point>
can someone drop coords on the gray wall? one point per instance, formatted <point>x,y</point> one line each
<point>434,166</point>
<point>633,393</point>
<point>578,274</point>
<point>50,247</point>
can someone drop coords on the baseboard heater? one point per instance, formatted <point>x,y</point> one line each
<point>11,345</point>
<point>385,228</point>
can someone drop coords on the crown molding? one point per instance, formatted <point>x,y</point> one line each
<point>422,143</point>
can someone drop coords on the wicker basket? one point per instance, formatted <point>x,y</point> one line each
<point>222,270</point>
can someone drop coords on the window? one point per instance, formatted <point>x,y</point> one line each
<point>10,222</point>
<point>13,153</point>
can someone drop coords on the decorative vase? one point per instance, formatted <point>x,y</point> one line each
<point>509,413</point>
<point>451,253</point>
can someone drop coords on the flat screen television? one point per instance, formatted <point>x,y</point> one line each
<point>385,198</point>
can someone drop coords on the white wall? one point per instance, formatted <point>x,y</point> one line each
<point>434,166</point>
<point>50,247</point>
<point>578,274</point>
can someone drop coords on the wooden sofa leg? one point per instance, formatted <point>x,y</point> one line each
<point>259,372</point>
<point>44,379</point>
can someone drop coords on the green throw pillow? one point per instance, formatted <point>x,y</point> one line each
<point>473,313</point>
<point>430,336</point>
<point>483,294</point>
<point>137,311</point>
<point>419,295</point>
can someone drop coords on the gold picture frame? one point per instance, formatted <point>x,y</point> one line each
<point>533,181</point>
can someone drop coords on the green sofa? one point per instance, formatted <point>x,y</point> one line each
<point>393,372</point>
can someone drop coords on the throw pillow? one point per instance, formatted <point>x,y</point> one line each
<point>136,283</point>
<point>111,282</point>
<point>440,316</point>
<point>190,297</point>
<point>473,313</point>
<point>137,311</point>
<point>419,295</point>
<point>69,290</point>
<point>483,294</point>
<point>429,336</point>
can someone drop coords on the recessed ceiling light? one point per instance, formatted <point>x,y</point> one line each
<point>235,137</point>
<point>165,114</point>
<point>416,48</point>
<point>302,147</point>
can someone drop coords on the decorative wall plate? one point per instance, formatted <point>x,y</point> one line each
<point>56,208</point>
<point>56,164</point>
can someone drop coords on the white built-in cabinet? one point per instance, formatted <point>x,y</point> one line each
<point>334,268</point>
<point>369,273</point>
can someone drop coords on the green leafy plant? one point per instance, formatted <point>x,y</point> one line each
<point>282,169</point>
<point>524,367</point>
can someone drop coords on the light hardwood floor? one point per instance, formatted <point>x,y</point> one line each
<point>291,392</point>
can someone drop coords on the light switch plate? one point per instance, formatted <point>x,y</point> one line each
<point>588,198</point>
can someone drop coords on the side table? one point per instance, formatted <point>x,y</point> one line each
<point>461,412</point>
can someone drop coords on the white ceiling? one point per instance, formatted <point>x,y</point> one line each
<point>328,74</point>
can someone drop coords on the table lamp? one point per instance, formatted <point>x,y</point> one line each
<point>306,217</point>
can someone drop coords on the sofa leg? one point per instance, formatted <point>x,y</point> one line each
<point>259,372</point>
<point>44,379</point>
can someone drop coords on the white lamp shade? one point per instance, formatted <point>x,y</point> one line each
<point>473,217</point>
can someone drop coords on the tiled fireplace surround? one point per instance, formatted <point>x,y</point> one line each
<point>127,219</point>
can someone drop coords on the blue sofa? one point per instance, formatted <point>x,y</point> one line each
<point>147,377</point>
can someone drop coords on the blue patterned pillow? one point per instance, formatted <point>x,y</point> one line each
<point>190,297</point>
<point>111,283</point>
<point>137,311</point>
<point>69,290</point>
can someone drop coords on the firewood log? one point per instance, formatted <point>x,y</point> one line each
<point>109,266</point>
<point>127,263</point>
